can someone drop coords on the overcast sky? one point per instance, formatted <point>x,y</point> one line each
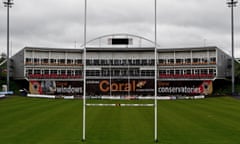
<point>59,23</point>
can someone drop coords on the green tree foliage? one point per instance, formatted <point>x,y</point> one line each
<point>3,56</point>
<point>237,76</point>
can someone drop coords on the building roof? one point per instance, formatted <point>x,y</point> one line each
<point>134,44</point>
<point>107,49</point>
<point>53,49</point>
<point>188,48</point>
<point>128,40</point>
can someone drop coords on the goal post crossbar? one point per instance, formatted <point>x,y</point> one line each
<point>119,104</point>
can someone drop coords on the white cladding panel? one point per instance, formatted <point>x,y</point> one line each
<point>28,54</point>
<point>200,54</point>
<point>164,55</point>
<point>120,55</point>
<point>183,55</point>
<point>54,55</point>
<point>41,55</point>
<point>57,55</point>
<point>74,55</point>
<point>212,54</point>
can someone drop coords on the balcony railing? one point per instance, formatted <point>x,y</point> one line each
<point>193,63</point>
<point>186,76</point>
<point>53,76</point>
<point>53,64</point>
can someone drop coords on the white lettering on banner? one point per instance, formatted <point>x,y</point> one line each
<point>144,90</point>
<point>178,90</point>
<point>69,90</point>
<point>134,85</point>
<point>92,82</point>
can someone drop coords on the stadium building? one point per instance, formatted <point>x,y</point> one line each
<point>121,65</point>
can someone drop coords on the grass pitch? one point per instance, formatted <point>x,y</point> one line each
<point>44,121</point>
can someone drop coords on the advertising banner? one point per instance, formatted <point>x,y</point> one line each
<point>120,87</point>
<point>56,87</point>
<point>185,87</point>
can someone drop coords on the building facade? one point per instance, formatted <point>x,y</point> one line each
<point>121,65</point>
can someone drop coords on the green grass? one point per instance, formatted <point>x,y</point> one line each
<point>44,121</point>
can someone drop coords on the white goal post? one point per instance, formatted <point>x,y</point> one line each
<point>155,104</point>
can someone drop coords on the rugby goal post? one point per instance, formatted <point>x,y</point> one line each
<point>155,104</point>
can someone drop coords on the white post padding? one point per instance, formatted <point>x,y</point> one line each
<point>41,96</point>
<point>2,96</point>
<point>68,97</point>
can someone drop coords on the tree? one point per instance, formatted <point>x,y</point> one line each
<point>237,71</point>
<point>3,56</point>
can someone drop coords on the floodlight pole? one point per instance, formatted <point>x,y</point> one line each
<point>8,4</point>
<point>156,73</point>
<point>232,4</point>
<point>84,72</point>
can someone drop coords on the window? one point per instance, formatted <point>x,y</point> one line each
<point>78,72</point>
<point>97,73</point>
<point>152,61</point>
<point>147,73</point>
<point>53,71</point>
<point>62,72</point>
<point>28,60</point>
<point>116,62</point>
<point>105,72</point>
<point>120,41</point>
<point>37,71</point>
<point>204,71</point>
<point>109,62</point>
<point>188,71</point>
<point>53,61</point>
<point>134,72</point>
<point>161,61</point>
<point>170,61</point>
<point>129,62</point>
<point>144,62</point>
<point>212,71</point>
<point>204,60</point>
<point>36,61</point>
<point>96,62</point>
<point>88,62</point>
<point>134,62</point>
<point>196,71</point>
<point>78,61</point>
<point>61,61</point>
<point>124,62</point>
<point>162,71</point>
<point>44,61</point>
<point>45,71</point>
<point>29,71</point>
<point>213,60</point>
<point>138,61</point>
<point>124,72</point>
<point>116,72</point>
<point>178,72</point>
<point>179,61</point>
<point>195,60</point>
<point>70,61</point>
<point>69,72</point>
<point>188,61</point>
<point>88,73</point>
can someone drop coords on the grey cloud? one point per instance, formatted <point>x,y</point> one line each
<point>57,23</point>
